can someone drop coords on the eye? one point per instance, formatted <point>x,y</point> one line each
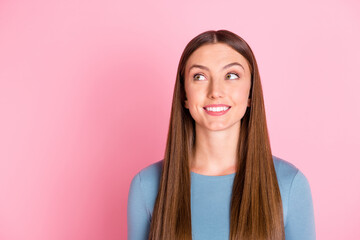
<point>233,74</point>
<point>195,77</point>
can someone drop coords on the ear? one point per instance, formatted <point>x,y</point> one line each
<point>249,102</point>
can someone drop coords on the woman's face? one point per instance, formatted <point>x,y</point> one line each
<point>217,74</point>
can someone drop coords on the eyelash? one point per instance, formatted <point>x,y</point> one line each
<point>226,74</point>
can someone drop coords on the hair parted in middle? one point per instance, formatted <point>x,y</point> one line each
<point>256,208</point>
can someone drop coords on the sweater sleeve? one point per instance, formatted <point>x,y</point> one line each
<point>300,222</point>
<point>138,222</point>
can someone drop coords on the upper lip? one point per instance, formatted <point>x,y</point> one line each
<point>216,105</point>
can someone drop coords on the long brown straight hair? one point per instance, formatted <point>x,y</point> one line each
<point>256,208</point>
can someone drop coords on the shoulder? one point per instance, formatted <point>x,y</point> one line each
<point>141,199</point>
<point>299,220</point>
<point>150,175</point>
<point>148,179</point>
<point>292,183</point>
<point>290,179</point>
<point>287,172</point>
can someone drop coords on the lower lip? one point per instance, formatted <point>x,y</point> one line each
<point>217,113</point>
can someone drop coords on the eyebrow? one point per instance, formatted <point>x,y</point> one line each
<point>206,68</point>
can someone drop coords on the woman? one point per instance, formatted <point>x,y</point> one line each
<point>219,179</point>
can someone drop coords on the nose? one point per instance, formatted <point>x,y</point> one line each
<point>215,89</point>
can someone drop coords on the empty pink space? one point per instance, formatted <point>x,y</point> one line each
<point>85,100</point>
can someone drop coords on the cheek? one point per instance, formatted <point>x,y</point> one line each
<point>193,96</point>
<point>241,93</point>
<point>241,96</point>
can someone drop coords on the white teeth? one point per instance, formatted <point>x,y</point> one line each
<point>216,109</point>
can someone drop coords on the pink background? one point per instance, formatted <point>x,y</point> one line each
<point>85,98</point>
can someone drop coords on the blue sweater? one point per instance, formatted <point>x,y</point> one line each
<point>210,203</point>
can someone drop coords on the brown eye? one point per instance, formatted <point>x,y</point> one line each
<point>196,77</point>
<point>229,74</point>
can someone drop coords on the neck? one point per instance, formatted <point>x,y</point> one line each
<point>215,152</point>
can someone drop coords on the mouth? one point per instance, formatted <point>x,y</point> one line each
<point>216,105</point>
<point>217,111</point>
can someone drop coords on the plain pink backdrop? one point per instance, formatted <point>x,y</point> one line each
<point>85,98</point>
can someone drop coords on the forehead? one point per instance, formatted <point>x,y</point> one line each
<point>215,56</point>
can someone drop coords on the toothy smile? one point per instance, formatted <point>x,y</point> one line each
<point>216,109</point>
